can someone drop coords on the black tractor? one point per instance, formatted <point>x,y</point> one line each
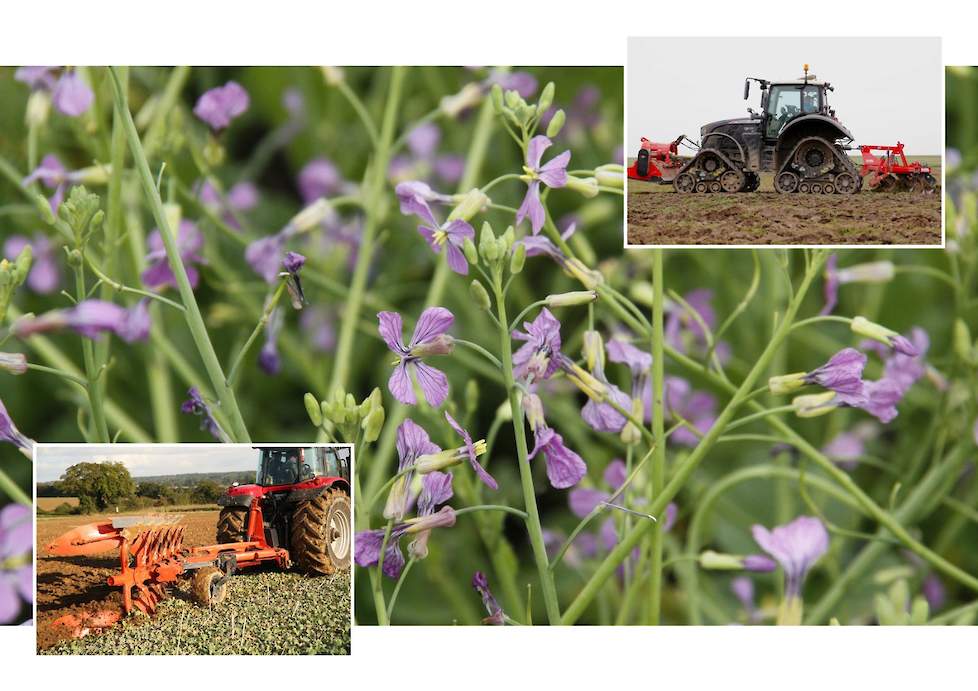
<point>796,136</point>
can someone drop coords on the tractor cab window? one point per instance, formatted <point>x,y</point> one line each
<point>338,462</point>
<point>280,467</point>
<point>787,101</point>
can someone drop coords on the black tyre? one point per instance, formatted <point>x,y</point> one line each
<point>322,535</point>
<point>232,526</point>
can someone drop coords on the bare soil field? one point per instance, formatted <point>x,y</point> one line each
<point>657,215</point>
<point>317,620</point>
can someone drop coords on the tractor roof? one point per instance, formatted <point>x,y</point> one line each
<point>800,82</point>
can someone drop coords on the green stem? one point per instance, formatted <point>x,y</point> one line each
<point>482,351</point>
<point>259,327</point>
<point>491,507</point>
<point>533,526</point>
<point>682,473</point>
<point>13,490</point>
<point>361,111</point>
<point>657,472</point>
<point>91,369</point>
<point>373,194</point>
<point>397,587</point>
<point>378,582</point>
<point>194,319</point>
<point>64,375</point>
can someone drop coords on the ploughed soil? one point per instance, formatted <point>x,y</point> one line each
<point>76,585</point>
<point>657,215</point>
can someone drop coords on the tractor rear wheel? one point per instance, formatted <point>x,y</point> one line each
<point>209,586</point>
<point>232,526</point>
<point>321,533</point>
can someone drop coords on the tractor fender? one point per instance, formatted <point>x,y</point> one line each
<point>307,493</point>
<point>815,124</point>
<point>235,500</point>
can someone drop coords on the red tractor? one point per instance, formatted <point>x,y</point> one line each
<point>298,511</point>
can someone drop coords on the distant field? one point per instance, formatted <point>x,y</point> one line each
<point>51,503</point>
<point>658,215</point>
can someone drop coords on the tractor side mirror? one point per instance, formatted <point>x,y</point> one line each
<point>746,88</point>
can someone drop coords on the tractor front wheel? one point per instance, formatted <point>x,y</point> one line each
<point>322,536</point>
<point>232,526</point>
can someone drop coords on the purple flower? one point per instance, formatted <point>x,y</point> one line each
<point>415,195</point>
<point>564,467</point>
<point>903,369</point>
<point>412,442</point>
<point>603,416</point>
<point>524,83</point>
<point>53,175</point>
<point>436,488</point>
<point>496,615</point>
<point>539,356</point>
<point>430,338</point>
<point>195,405</point>
<point>220,105</point>
<point>293,264</point>
<point>16,568</point>
<point>268,358</point>
<point>91,318</point>
<point>368,543</point>
<point>847,447</point>
<point>879,399</point>
<point>743,589</point>
<point>842,374</point>
<point>44,277</point>
<point>9,433</point>
<point>242,196</point>
<point>934,592</point>
<point>158,275</point>
<point>759,563</point>
<point>71,95</point>
<point>451,235</point>
<point>553,174</point>
<point>679,318</point>
<point>796,546</point>
<point>481,472</point>
<point>319,178</point>
<point>682,401</point>
<point>37,78</point>
<point>317,325</point>
<point>266,254</point>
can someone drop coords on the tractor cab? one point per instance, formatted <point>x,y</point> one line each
<point>783,102</point>
<point>278,466</point>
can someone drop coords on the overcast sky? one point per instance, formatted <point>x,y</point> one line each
<point>141,460</point>
<point>885,89</point>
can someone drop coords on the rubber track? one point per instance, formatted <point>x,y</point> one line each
<point>846,162</point>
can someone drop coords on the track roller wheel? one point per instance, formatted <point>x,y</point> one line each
<point>786,182</point>
<point>685,183</point>
<point>845,183</point>
<point>816,188</point>
<point>209,586</point>
<point>702,187</point>
<point>732,181</point>
<point>715,186</point>
<point>828,188</point>
<point>804,187</point>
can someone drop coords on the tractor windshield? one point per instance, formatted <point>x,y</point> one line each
<point>786,101</point>
<point>280,467</point>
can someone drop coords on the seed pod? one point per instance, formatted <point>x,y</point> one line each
<point>556,123</point>
<point>546,98</point>
<point>480,295</point>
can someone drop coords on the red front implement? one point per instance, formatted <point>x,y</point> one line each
<point>657,161</point>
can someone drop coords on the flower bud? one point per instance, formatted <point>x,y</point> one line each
<point>480,295</point>
<point>593,350</point>
<point>333,76</point>
<point>517,258</point>
<point>577,297</point>
<point>93,175</point>
<point>588,278</point>
<point>313,409</point>
<point>13,363</point>
<point>312,216</point>
<point>496,94</point>
<point>630,434</point>
<point>642,292</point>
<point>38,108</point>
<point>546,98</point>
<point>878,332</point>
<point>504,413</point>
<point>173,214</point>
<point>869,272</point>
<point>487,244</point>
<point>814,405</point>
<point>472,202</point>
<point>513,99</point>
<point>556,123</point>
<point>963,347</point>
<point>442,344</point>
<point>715,561</point>
<point>507,239</point>
<point>214,152</point>
<point>786,383</point>
<point>587,187</point>
<point>610,175</point>
<point>759,563</point>
<point>470,252</point>
<point>372,424</point>
<point>22,265</point>
<point>468,97</point>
